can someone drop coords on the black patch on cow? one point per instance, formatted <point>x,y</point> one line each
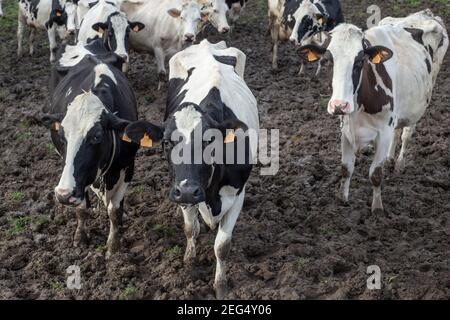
<point>431,52</point>
<point>416,34</point>
<point>391,121</point>
<point>357,69</point>
<point>230,2</point>
<point>290,6</point>
<point>427,62</point>
<point>175,96</point>
<point>370,94</point>
<point>229,60</point>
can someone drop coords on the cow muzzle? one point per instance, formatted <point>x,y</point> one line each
<point>187,194</point>
<point>66,197</point>
<point>339,107</point>
<point>189,38</point>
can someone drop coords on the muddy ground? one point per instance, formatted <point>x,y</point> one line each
<point>294,240</point>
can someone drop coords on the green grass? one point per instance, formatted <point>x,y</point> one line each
<point>127,293</point>
<point>56,285</point>
<point>17,225</point>
<point>16,196</point>
<point>163,230</point>
<point>23,136</point>
<point>174,251</point>
<point>303,262</point>
<point>101,248</point>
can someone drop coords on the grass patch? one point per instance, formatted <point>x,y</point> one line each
<point>174,251</point>
<point>56,285</point>
<point>23,136</point>
<point>17,225</point>
<point>303,262</point>
<point>127,293</point>
<point>101,248</point>
<point>16,196</point>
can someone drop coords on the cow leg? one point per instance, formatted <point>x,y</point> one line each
<point>348,166</point>
<point>31,41</point>
<point>52,41</point>
<point>21,21</point>
<point>382,144</point>
<point>406,139</point>
<point>191,230</point>
<point>115,213</point>
<point>302,69</point>
<point>160,58</point>
<point>222,245</point>
<point>393,146</point>
<point>82,213</point>
<point>274,31</point>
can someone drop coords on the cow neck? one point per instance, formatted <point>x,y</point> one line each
<point>113,154</point>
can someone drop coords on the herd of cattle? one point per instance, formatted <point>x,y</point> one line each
<point>382,82</point>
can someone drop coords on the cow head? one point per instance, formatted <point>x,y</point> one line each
<point>308,22</point>
<point>347,53</point>
<point>85,135</point>
<point>190,17</point>
<point>193,143</point>
<point>215,11</point>
<point>116,33</point>
<point>71,11</point>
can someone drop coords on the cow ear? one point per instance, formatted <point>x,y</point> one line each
<point>99,27</point>
<point>58,12</point>
<point>228,128</point>
<point>52,121</point>
<point>143,133</point>
<point>115,123</point>
<point>321,20</point>
<point>174,13</point>
<point>136,26</point>
<point>378,54</point>
<point>311,53</point>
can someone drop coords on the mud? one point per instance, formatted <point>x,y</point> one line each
<point>293,240</point>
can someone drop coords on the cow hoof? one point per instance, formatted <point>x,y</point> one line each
<point>378,212</point>
<point>189,255</point>
<point>80,239</point>
<point>399,167</point>
<point>221,289</point>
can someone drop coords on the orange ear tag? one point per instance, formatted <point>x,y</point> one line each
<point>56,126</point>
<point>146,142</point>
<point>377,59</point>
<point>136,28</point>
<point>126,138</point>
<point>312,56</point>
<point>229,137</point>
<point>321,21</point>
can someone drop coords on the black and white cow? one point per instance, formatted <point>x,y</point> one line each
<point>207,93</point>
<point>216,13</point>
<point>55,16</point>
<point>301,21</point>
<point>105,20</point>
<point>235,8</point>
<point>90,108</point>
<point>382,83</point>
<point>174,24</point>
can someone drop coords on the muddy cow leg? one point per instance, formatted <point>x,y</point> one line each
<point>406,139</point>
<point>348,166</point>
<point>274,32</point>
<point>393,146</point>
<point>115,212</point>
<point>191,230</point>
<point>82,213</point>
<point>222,245</point>
<point>31,41</point>
<point>51,31</point>
<point>382,144</point>
<point>160,58</point>
<point>21,22</point>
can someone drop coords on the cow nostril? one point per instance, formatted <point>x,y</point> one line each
<point>177,192</point>
<point>197,193</point>
<point>225,30</point>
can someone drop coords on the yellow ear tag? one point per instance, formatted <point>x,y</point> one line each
<point>56,126</point>
<point>377,58</point>
<point>312,56</point>
<point>321,21</point>
<point>126,138</point>
<point>58,14</point>
<point>136,28</point>
<point>229,137</point>
<point>146,142</point>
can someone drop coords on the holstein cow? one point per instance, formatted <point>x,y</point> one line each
<point>216,12</point>
<point>235,8</point>
<point>312,19</point>
<point>382,82</point>
<point>174,24</point>
<point>301,21</point>
<point>207,91</point>
<point>90,108</point>
<point>105,20</point>
<point>56,16</point>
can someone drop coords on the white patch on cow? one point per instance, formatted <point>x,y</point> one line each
<point>119,24</point>
<point>306,9</point>
<point>82,114</point>
<point>103,70</point>
<point>73,55</point>
<point>186,120</point>
<point>182,183</point>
